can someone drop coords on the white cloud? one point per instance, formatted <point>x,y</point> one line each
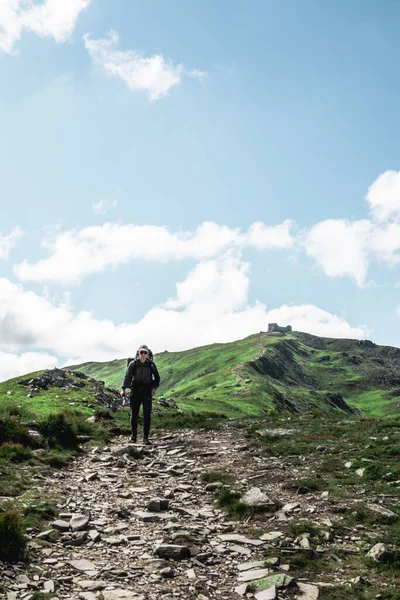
<point>211,305</point>
<point>154,75</point>
<point>384,196</point>
<point>13,365</point>
<point>340,247</point>
<point>104,206</point>
<point>77,254</point>
<point>263,236</point>
<point>7,242</point>
<point>51,18</point>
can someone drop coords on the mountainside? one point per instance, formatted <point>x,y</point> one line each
<point>296,372</point>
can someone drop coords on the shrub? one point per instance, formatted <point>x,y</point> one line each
<point>14,432</point>
<point>14,452</point>
<point>13,542</point>
<point>59,429</point>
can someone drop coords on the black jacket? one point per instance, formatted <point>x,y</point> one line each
<point>141,375</point>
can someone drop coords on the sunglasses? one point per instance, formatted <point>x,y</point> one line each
<point>143,352</point>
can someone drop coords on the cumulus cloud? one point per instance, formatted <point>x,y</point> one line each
<point>51,18</point>
<point>12,365</point>
<point>210,305</point>
<point>263,236</point>
<point>153,75</point>
<point>77,254</point>
<point>340,247</point>
<point>384,196</point>
<point>7,242</point>
<point>104,206</point>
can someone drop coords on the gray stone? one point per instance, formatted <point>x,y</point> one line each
<point>271,536</point>
<point>79,522</point>
<point>48,586</point>
<point>379,553</point>
<point>308,591</point>
<point>250,565</point>
<point>115,540</point>
<point>87,596</point>
<point>94,535</point>
<point>215,485</point>
<point>253,574</point>
<point>255,497</point>
<point>158,505</point>
<point>60,525</point>
<point>241,590</point>
<point>173,552</point>
<point>92,586</point>
<point>269,594</point>
<point>148,517</point>
<point>82,565</point>
<point>167,573</point>
<point>291,506</point>
<point>120,594</point>
<point>382,511</point>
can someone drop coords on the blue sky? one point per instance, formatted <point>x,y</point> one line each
<point>128,125</point>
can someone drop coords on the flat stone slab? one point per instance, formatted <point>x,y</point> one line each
<point>269,594</point>
<point>240,539</point>
<point>250,565</point>
<point>308,591</point>
<point>253,574</point>
<point>92,585</point>
<point>271,536</point>
<point>279,580</point>
<point>82,565</point>
<point>290,507</point>
<point>60,525</point>
<point>120,594</point>
<point>149,517</point>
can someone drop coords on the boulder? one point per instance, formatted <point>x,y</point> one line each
<point>173,552</point>
<point>256,498</point>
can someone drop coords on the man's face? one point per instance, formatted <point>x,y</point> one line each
<point>143,355</point>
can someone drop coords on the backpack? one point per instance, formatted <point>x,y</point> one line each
<point>149,361</point>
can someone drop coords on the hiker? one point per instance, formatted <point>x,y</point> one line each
<point>143,379</point>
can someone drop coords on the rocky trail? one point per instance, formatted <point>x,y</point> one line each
<point>138,523</point>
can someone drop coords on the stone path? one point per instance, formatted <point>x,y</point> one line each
<point>147,528</point>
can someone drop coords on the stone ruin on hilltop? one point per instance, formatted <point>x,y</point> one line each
<point>275,328</point>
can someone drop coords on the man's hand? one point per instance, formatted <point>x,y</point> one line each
<point>122,394</point>
<point>153,392</point>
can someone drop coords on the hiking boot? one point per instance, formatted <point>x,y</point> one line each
<point>146,441</point>
<point>133,438</point>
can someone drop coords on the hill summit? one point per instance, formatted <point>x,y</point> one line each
<point>273,370</point>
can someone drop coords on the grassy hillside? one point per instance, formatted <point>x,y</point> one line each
<point>294,372</point>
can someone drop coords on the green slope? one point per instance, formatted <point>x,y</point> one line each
<point>296,371</point>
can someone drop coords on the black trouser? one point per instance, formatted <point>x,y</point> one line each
<point>138,397</point>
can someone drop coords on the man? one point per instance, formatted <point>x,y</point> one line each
<point>143,379</point>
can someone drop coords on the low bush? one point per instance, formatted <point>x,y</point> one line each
<point>60,429</point>
<point>14,432</point>
<point>13,541</point>
<point>14,453</point>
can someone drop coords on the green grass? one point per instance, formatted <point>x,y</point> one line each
<point>262,372</point>
<point>217,476</point>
